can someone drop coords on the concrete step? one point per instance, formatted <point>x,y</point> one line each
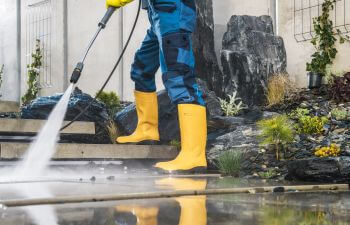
<point>33,126</point>
<point>9,151</point>
<point>8,106</point>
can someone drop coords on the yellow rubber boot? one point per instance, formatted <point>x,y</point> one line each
<point>144,215</point>
<point>147,114</point>
<point>193,208</point>
<point>193,128</point>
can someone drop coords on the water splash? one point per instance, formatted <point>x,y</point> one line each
<point>42,149</point>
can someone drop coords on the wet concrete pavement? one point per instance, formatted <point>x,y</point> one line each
<point>323,208</point>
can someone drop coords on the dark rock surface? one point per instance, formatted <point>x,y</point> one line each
<point>335,169</point>
<point>251,53</point>
<point>207,67</point>
<point>41,107</point>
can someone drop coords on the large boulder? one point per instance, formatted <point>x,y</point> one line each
<point>41,107</point>
<point>251,53</point>
<point>314,169</point>
<point>207,67</point>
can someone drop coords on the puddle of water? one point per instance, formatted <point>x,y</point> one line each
<point>325,208</point>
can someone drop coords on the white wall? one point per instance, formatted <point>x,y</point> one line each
<point>8,50</point>
<point>299,53</point>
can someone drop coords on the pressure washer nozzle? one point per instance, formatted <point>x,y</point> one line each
<point>76,73</point>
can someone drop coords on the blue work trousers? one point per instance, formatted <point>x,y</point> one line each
<point>168,45</point>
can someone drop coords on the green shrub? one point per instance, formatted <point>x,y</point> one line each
<point>233,106</point>
<point>111,100</point>
<point>311,124</point>
<point>230,163</point>
<point>306,123</point>
<point>339,114</point>
<point>277,131</point>
<point>299,112</point>
<point>33,75</point>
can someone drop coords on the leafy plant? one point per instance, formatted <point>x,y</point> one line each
<point>270,173</point>
<point>111,100</point>
<point>340,88</point>
<point>230,163</point>
<point>299,112</point>
<point>311,124</point>
<point>324,40</point>
<point>33,75</point>
<point>339,114</point>
<point>233,106</point>
<point>277,131</point>
<point>279,87</point>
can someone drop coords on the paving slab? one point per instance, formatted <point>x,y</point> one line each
<point>34,126</point>
<point>94,151</point>
<point>8,106</point>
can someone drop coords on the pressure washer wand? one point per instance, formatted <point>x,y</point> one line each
<point>101,25</point>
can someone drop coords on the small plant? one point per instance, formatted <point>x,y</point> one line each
<point>230,163</point>
<point>330,151</point>
<point>299,112</point>
<point>340,88</point>
<point>33,75</point>
<point>111,100</point>
<point>279,87</point>
<point>113,131</point>
<point>176,144</point>
<point>339,114</point>
<point>270,173</point>
<point>277,131</point>
<point>233,106</point>
<point>311,124</point>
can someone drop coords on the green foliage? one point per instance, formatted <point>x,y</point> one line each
<point>324,40</point>
<point>308,124</point>
<point>277,131</point>
<point>176,144</point>
<point>230,163</point>
<point>33,75</point>
<point>311,124</point>
<point>111,100</point>
<point>270,173</point>
<point>233,106</point>
<point>299,112</point>
<point>339,114</point>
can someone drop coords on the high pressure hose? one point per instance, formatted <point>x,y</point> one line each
<point>77,71</point>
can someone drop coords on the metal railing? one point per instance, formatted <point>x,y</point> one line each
<point>39,27</point>
<point>306,10</point>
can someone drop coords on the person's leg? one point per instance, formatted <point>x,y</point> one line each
<point>146,64</point>
<point>174,22</point>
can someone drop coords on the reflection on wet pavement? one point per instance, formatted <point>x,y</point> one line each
<point>324,208</point>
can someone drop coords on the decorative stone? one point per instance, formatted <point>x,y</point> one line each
<point>251,53</point>
<point>330,170</point>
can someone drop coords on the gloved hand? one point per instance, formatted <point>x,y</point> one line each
<point>117,3</point>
